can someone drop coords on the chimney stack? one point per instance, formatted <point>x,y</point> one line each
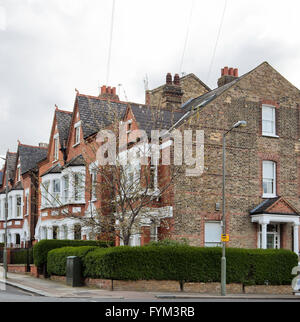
<point>108,92</point>
<point>172,93</point>
<point>228,75</point>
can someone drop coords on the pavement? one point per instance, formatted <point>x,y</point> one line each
<point>53,289</point>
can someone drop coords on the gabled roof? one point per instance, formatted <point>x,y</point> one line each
<point>63,119</point>
<point>191,75</point>
<point>277,206</point>
<point>30,156</point>
<point>96,113</point>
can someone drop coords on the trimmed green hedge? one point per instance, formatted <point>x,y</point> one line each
<point>41,249</point>
<point>191,264</point>
<point>57,258</point>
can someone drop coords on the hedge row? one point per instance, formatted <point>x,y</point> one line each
<point>41,249</point>
<point>57,258</point>
<point>186,264</point>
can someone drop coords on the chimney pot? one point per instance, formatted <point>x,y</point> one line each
<point>103,89</point>
<point>108,90</point>
<point>236,72</point>
<point>231,71</point>
<point>114,91</point>
<point>222,72</point>
<point>225,71</point>
<point>169,79</point>
<point>176,79</point>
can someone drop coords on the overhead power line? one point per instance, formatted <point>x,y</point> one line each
<point>217,42</point>
<point>110,41</point>
<point>187,36</point>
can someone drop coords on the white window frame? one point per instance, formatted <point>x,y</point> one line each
<point>269,195</point>
<point>77,133</point>
<point>275,234</point>
<point>273,121</point>
<point>19,207</point>
<point>66,188</point>
<point>19,172</point>
<point>94,184</point>
<point>56,148</point>
<point>56,194</point>
<point>45,194</point>
<point>79,188</point>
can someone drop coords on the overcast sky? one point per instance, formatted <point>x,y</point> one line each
<point>50,47</point>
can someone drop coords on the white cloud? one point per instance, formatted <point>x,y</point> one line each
<point>2,18</point>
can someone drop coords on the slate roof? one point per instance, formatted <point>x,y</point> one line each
<point>30,156</point>
<point>63,124</point>
<point>96,113</point>
<point>152,118</point>
<point>11,162</point>
<point>208,97</point>
<point>261,208</point>
<point>266,204</point>
<point>76,161</point>
<point>57,168</point>
<point>18,186</point>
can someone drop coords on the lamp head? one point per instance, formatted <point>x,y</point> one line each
<point>240,124</point>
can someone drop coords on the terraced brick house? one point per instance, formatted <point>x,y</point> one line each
<point>263,170</point>
<point>22,195</point>
<point>67,175</point>
<point>262,173</point>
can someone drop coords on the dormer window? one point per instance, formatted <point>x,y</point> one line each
<point>268,120</point>
<point>55,152</point>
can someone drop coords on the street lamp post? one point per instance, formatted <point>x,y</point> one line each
<point>6,215</point>
<point>223,260</point>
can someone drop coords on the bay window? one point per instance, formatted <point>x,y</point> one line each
<point>19,207</point>
<point>65,189</point>
<point>78,187</point>
<point>45,195</point>
<point>94,183</point>
<point>56,191</point>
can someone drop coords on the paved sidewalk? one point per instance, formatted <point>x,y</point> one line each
<point>48,288</point>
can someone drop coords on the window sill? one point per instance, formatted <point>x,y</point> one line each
<point>270,136</point>
<point>76,144</point>
<point>269,196</point>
